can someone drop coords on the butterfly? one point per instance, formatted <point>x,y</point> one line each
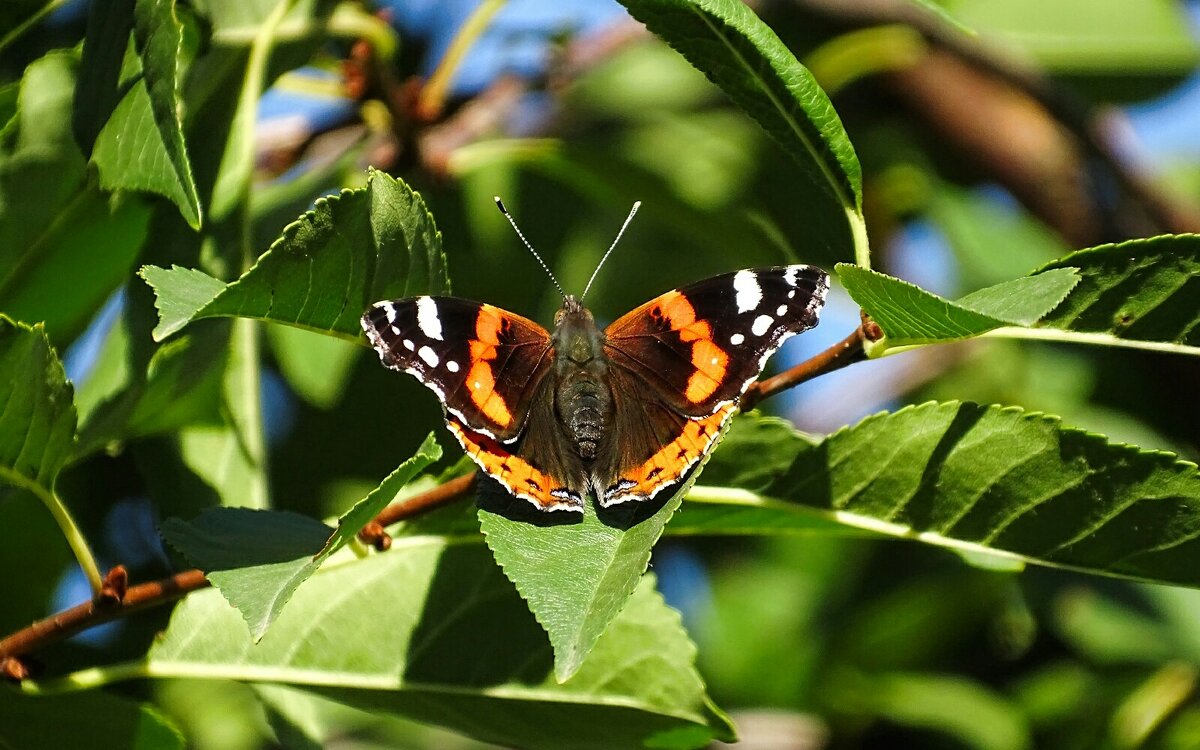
<point>621,413</point>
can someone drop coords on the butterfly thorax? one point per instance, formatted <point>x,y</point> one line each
<point>581,393</point>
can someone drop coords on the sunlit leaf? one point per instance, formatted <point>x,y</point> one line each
<point>910,315</point>
<point>414,632</point>
<point>328,267</point>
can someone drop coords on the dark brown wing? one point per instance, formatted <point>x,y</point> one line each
<point>700,347</point>
<point>656,445</point>
<point>483,363</point>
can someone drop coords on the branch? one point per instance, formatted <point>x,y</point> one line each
<point>116,599</point>
<point>847,351</point>
<point>375,535</point>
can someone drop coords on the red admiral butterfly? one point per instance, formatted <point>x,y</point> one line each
<point>622,413</point>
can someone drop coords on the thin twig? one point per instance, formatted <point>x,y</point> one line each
<point>108,606</point>
<point>117,599</point>
<point>374,533</point>
<point>845,352</point>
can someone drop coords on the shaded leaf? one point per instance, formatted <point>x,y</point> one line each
<point>37,423</point>
<point>351,250</point>
<point>257,559</point>
<point>1144,290</point>
<point>413,631</point>
<point>98,90</point>
<point>968,711</point>
<point>64,244</point>
<point>92,719</point>
<point>910,315</point>
<point>159,37</point>
<point>742,55</point>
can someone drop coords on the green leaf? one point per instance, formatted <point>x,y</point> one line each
<point>968,711</point>
<point>257,559</point>
<point>64,244</point>
<point>133,153</point>
<point>159,37</point>
<point>37,423</point>
<point>180,386</point>
<point>1004,481</point>
<point>92,719</point>
<point>316,367</point>
<point>414,631</point>
<point>328,267</point>
<point>1023,301</point>
<point>1142,290</point>
<point>606,552</point>
<point>742,55</point>
<point>98,89</point>
<point>910,315</point>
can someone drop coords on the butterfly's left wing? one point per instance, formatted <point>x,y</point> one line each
<point>698,349</point>
<point>484,363</point>
<point>702,346</point>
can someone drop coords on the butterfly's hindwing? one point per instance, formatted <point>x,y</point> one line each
<point>482,362</point>
<point>703,345</point>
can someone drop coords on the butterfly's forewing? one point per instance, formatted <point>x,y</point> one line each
<point>483,363</point>
<point>700,347</point>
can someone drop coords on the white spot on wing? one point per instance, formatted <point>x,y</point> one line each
<point>790,275</point>
<point>427,318</point>
<point>781,310</point>
<point>390,311</point>
<point>395,329</point>
<point>452,366</point>
<point>409,345</point>
<point>428,355</point>
<point>761,324</point>
<point>749,293</point>
<point>737,339</point>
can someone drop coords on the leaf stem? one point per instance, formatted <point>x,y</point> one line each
<point>433,95</point>
<point>66,523</point>
<point>237,162</point>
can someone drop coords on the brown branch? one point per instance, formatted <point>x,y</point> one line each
<point>845,352</point>
<point>375,535</point>
<point>118,599</point>
<point>108,606</point>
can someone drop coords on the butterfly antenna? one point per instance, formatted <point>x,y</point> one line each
<point>629,218</point>
<point>517,229</point>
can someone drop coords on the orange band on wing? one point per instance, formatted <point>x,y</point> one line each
<point>517,475</point>
<point>669,464</point>
<point>710,362</point>
<point>481,380</point>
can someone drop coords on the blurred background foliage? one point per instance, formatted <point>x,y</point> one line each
<point>993,138</point>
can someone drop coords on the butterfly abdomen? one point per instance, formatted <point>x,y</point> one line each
<point>582,395</point>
